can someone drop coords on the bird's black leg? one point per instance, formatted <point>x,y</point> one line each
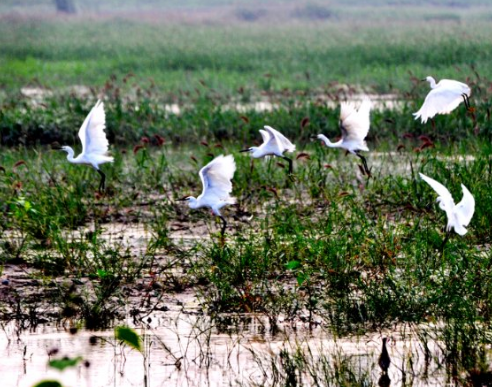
<point>446,238</point>
<point>291,168</point>
<point>364,162</point>
<point>466,100</point>
<point>224,225</point>
<point>471,111</point>
<point>103,180</point>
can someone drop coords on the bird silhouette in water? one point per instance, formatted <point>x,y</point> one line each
<point>384,381</point>
<point>384,359</point>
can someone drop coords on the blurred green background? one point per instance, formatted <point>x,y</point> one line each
<point>233,45</point>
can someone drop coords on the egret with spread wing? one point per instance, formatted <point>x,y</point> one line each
<point>274,144</point>
<point>94,142</point>
<point>459,215</point>
<point>354,124</point>
<point>216,178</point>
<point>444,97</point>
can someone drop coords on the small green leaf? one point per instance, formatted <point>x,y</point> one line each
<point>301,278</point>
<point>102,273</point>
<point>61,364</point>
<point>129,337</point>
<point>48,383</point>
<point>292,265</point>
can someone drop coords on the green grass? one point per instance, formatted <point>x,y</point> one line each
<point>358,255</point>
<point>374,54</point>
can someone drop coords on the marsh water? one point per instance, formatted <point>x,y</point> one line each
<point>188,349</point>
<point>183,346</point>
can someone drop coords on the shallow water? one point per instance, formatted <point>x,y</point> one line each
<point>185,348</point>
<point>379,101</point>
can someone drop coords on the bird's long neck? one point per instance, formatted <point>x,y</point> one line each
<point>329,143</point>
<point>432,82</point>
<point>70,153</point>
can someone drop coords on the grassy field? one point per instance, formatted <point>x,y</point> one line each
<point>369,48</point>
<point>332,246</point>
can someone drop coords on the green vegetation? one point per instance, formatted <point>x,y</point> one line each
<point>355,254</point>
<point>360,255</point>
<point>372,49</point>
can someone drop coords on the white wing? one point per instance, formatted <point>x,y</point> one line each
<point>444,195</point>
<point>465,208</point>
<point>265,136</point>
<point>91,132</point>
<point>216,177</point>
<point>282,142</point>
<point>459,87</point>
<point>355,123</point>
<point>443,99</point>
<point>346,110</point>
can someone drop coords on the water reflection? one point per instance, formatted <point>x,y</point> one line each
<point>190,349</point>
<point>384,380</point>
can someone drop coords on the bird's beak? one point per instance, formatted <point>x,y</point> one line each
<point>55,146</point>
<point>244,150</point>
<point>423,80</point>
<point>313,137</point>
<point>183,199</point>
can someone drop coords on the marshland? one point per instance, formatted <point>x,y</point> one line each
<point>130,287</point>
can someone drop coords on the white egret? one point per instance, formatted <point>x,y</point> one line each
<point>354,124</point>
<point>274,144</point>
<point>459,215</point>
<point>94,142</point>
<point>216,178</point>
<point>444,97</point>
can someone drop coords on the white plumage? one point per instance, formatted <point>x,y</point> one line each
<point>94,142</point>
<point>443,98</point>
<point>274,144</point>
<point>459,215</point>
<point>354,124</point>
<point>216,179</point>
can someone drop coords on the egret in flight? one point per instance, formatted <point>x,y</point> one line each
<point>274,144</point>
<point>216,179</point>
<point>94,142</point>
<point>459,215</point>
<point>354,124</point>
<point>444,97</point>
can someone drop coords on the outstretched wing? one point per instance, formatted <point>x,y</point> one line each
<point>216,176</point>
<point>346,110</point>
<point>91,132</point>
<point>444,195</point>
<point>465,208</point>
<point>283,143</point>
<point>265,136</point>
<point>355,123</point>
<point>443,99</point>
